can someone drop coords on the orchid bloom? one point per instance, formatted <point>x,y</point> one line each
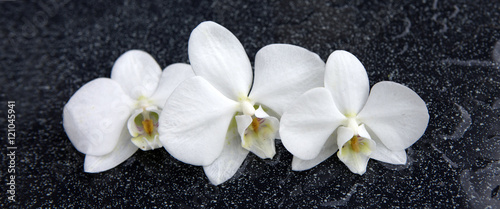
<point>214,120</point>
<point>109,119</point>
<point>343,115</point>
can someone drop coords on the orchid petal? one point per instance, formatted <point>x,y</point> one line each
<point>123,150</point>
<point>395,114</point>
<point>282,73</point>
<point>355,161</point>
<point>347,81</point>
<point>362,132</point>
<point>382,153</point>
<point>217,55</point>
<point>260,113</point>
<point>229,161</point>
<point>327,150</point>
<point>137,72</point>
<point>194,122</point>
<point>95,115</point>
<point>171,77</point>
<point>308,123</point>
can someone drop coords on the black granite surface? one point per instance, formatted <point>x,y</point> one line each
<point>446,51</point>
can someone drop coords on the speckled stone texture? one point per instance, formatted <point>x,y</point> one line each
<point>446,51</point>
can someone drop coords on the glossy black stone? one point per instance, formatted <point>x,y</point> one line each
<point>446,51</point>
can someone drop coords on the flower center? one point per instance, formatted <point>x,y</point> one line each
<point>143,126</point>
<point>355,151</point>
<point>259,137</point>
<point>256,123</point>
<point>357,145</point>
<point>257,131</point>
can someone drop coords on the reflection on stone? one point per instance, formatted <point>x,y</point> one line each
<point>491,148</point>
<point>482,186</point>
<point>469,63</point>
<point>446,158</point>
<point>496,52</point>
<point>462,127</point>
<point>496,104</point>
<point>344,200</point>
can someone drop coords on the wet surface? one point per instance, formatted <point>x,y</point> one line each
<point>446,51</point>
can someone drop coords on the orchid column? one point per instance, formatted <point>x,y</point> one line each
<point>213,120</point>
<point>344,115</point>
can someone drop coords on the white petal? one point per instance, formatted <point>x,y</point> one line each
<point>260,113</point>
<point>282,73</point>
<point>363,132</point>
<point>229,161</point>
<point>347,80</point>
<point>194,122</point>
<point>123,150</point>
<point>327,150</point>
<point>137,72</point>
<point>397,157</point>
<point>217,55</point>
<point>95,115</point>
<point>396,114</point>
<point>307,124</point>
<point>381,153</point>
<point>355,161</point>
<point>278,135</point>
<point>171,77</point>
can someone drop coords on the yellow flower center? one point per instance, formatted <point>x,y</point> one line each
<point>148,126</point>
<point>255,124</point>
<point>355,142</point>
<point>143,128</point>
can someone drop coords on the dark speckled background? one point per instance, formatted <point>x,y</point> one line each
<point>447,51</point>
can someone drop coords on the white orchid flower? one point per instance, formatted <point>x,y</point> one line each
<point>109,119</point>
<point>343,114</point>
<point>214,120</point>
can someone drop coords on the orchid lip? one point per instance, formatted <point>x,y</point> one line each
<point>259,137</point>
<point>258,133</point>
